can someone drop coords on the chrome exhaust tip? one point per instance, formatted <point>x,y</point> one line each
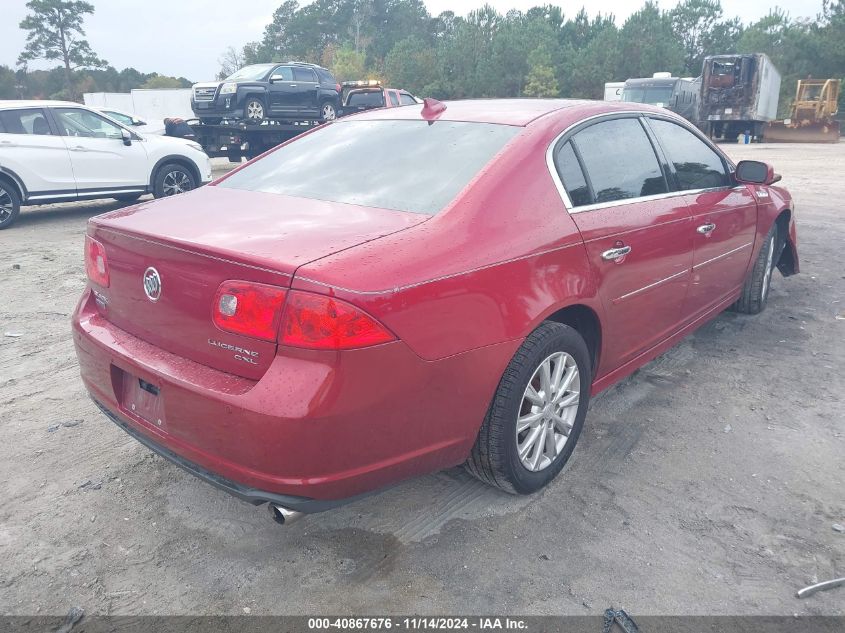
<point>282,515</point>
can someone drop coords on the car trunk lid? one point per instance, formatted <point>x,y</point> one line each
<point>196,241</point>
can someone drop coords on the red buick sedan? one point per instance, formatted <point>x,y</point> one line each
<point>411,289</point>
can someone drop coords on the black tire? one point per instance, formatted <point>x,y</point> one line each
<point>10,205</point>
<point>328,111</point>
<point>755,291</point>
<point>172,179</point>
<point>129,197</point>
<point>494,458</point>
<point>255,111</point>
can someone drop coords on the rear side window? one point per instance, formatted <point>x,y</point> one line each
<point>697,166</point>
<point>304,74</point>
<point>573,179</point>
<point>325,76</point>
<point>24,121</point>
<point>370,98</point>
<point>345,162</point>
<point>394,100</point>
<point>619,160</point>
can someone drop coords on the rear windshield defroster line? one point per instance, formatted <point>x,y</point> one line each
<point>400,165</point>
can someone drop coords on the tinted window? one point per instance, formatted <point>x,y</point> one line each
<point>619,160</point>
<point>406,99</point>
<point>394,100</point>
<point>370,98</point>
<point>304,74</point>
<point>325,76</point>
<point>697,166</point>
<point>345,162</point>
<point>570,173</point>
<point>24,121</point>
<point>284,72</point>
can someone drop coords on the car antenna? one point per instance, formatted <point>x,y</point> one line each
<point>432,109</point>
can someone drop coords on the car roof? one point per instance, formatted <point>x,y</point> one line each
<point>36,103</point>
<point>518,112</point>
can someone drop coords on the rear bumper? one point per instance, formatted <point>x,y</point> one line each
<point>244,493</point>
<point>316,429</point>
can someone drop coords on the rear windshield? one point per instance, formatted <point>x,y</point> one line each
<point>369,98</point>
<point>402,165</point>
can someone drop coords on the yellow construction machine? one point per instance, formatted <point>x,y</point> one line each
<point>811,117</point>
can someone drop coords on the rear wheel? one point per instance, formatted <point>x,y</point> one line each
<point>755,291</point>
<point>537,412</point>
<point>10,205</point>
<point>254,110</point>
<point>172,179</point>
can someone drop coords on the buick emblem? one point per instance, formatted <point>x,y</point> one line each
<point>152,284</point>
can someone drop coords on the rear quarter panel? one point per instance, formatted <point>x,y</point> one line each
<point>489,268</point>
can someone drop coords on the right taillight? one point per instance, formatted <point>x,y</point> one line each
<point>96,264</point>
<point>249,309</point>
<point>320,322</point>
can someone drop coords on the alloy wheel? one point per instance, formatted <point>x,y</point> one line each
<point>328,112</point>
<point>547,411</point>
<point>6,205</point>
<point>255,111</point>
<point>176,182</point>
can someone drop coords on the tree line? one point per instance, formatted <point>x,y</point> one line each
<point>542,52</point>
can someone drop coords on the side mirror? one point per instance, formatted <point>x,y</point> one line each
<point>126,135</point>
<point>276,78</point>
<point>138,122</point>
<point>756,173</point>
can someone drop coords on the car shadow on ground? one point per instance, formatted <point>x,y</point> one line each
<point>34,216</point>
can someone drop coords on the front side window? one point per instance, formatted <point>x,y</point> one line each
<point>619,160</point>
<point>697,166</point>
<point>24,121</point>
<point>345,162</point>
<point>394,100</point>
<point>569,170</point>
<point>78,122</point>
<point>282,73</point>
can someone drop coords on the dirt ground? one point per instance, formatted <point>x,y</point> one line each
<point>707,483</point>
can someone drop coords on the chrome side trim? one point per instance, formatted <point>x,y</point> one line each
<point>442,277</point>
<point>713,259</point>
<point>650,286</point>
<point>106,194</point>
<point>550,165</point>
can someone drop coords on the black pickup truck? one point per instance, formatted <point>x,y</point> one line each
<point>290,91</point>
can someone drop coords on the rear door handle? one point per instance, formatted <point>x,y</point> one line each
<point>616,253</point>
<point>704,229</point>
<point>78,148</point>
<point>294,86</point>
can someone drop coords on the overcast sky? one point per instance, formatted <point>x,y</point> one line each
<point>186,37</point>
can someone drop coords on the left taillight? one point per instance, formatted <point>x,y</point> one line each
<point>249,309</point>
<point>96,263</point>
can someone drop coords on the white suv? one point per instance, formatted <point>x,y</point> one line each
<point>52,151</point>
